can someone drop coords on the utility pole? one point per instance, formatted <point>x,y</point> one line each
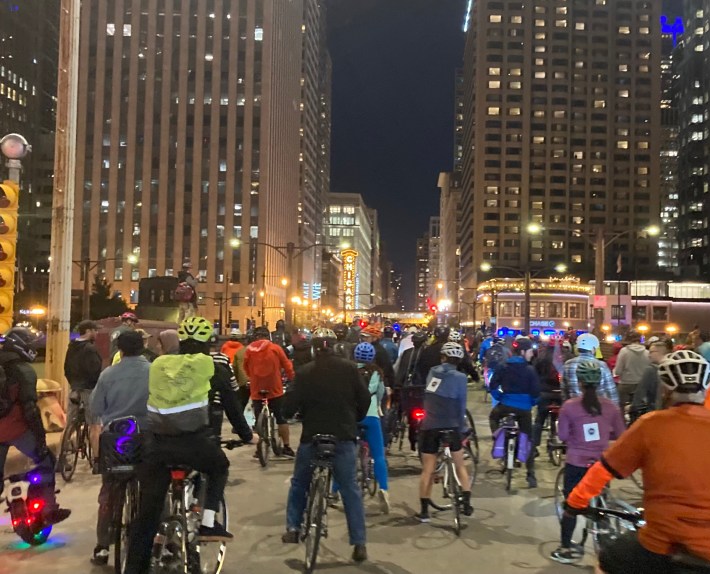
<point>60,269</point>
<point>599,247</point>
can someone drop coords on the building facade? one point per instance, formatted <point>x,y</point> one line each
<point>449,213</point>
<point>561,128</point>
<point>422,273</point>
<point>188,146</point>
<point>433,279</point>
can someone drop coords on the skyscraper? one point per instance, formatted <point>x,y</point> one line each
<point>422,272</point>
<point>433,273</point>
<point>562,128</point>
<point>188,145</point>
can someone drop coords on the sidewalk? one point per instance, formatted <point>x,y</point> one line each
<point>17,462</point>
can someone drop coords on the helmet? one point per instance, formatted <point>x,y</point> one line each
<point>685,372</point>
<point>262,333</point>
<point>371,331</point>
<point>364,353</point>
<point>453,350</point>
<point>280,324</point>
<point>196,328</point>
<point>128,316</point>
<point>412,330</point>
<point>324,333</point>
<point>323,340</point>
<point>587,342</point>
<point>340,330</point>
<point>522,344</point>
<point>419,338</point>
<point>441,332</point>
<point>21,341</point>
<point>388,332</point>
<point>455,337</point>
<point>589,373</point>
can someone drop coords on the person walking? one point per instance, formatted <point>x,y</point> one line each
<point>630,365</point>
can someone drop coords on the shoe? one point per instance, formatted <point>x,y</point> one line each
<point>100,556</point>
<point>467,509</point>
<point>290,537</point>
<point>422,517</point>
<point>217,532</point>
<point>532,481</point>
<point>360,553</point>
<point>384,501</point>
<point>288,452</point>
<point>95,468</point>
<point>566,555</point>
<point>57,515</point>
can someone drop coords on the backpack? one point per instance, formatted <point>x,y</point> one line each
<point>495,356</point>
<point>6,401</point>
<point>184,293</point>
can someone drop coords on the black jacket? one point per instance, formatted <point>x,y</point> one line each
<point>331,396</point>
<point>223,393</point>
<point>382,360</point>
<point>431,357</point>
<point>408,364</point>
<point>82,365</point>
<point>23,378</point>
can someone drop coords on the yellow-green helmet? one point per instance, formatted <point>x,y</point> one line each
<point>589,373</point>
<point>196,328</point>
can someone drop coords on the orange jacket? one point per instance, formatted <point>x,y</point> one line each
<point>263,362</point>
<point>230,349</point>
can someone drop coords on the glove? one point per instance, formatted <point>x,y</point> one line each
<point>572,511</point>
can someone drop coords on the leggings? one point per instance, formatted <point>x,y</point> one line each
<point>373,435</point>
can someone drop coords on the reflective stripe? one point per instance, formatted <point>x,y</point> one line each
<point>178,409</point>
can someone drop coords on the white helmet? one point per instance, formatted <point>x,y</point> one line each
<point>587,342</point>
<point>453,350</point>
<point>455,337</point>
<point>683,369</point>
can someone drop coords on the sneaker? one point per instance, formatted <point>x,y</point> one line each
<point>290,537</point>
<point>422,517</point>
<point>532,481</point>
<point>217,532</point>
<point>100,556</point>
<point>288,452</point>
<point>467,509</point>
<point>360,553</point>
<point>57,515</point>
<point>566,555</point>
<point>384,497</point>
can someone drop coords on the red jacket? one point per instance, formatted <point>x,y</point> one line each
<point>230,349</point>
<point>263,362</point>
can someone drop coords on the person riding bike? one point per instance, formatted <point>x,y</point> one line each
<point>669,448</point>
<point>388,343</point>
<point>586,425</point>
<point>445,408</point>
<point>466,365</point>
<point>587,346</point>
<point>343,348</point>
<point>179,433</point>
<point>550,391</point>
<point>330,394</point>
<point>280,337</point>
<point>431,355</point>
<point>516,386</point>
<point>372,335</point>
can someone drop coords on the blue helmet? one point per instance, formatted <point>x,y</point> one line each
<point>364,353</point>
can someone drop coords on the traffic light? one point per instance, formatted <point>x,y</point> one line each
<point>433,309</point>
<point>9,193</point>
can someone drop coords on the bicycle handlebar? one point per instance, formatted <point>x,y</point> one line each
<point>635,517</point>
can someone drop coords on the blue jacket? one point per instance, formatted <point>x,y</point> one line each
<point>445,398</point>
<point>516,385</point>
<point>392,350</point>
<point>485,345</point>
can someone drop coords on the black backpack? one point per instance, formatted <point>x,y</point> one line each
<point>495,356</point>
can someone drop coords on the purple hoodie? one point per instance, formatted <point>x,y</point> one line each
<point>587,436</point>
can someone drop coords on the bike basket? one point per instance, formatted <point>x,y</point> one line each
<point>119,453</point>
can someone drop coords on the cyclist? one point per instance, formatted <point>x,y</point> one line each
<point>587,345</point>
<point>169,342</point>
<point>224,395</point>
<point>630,365</point>
<point>128,323</point>
<point>280,336</point>
<point>343,348</point>
<point>431,355</point>
<point>263,363</point>
<point>466,364</point>
<point>667,446</point>
<point>407,373</point>
<point>516,386</point>
<point>388,343</point>
<point>586,425</point>
<point>372,335</point>
<point>20,419</point>
<point>550,393</point>
<point>364,356</point>
<point>233,345</point>
<point>121,391</point>
<point>408,392</point>
<point>648,394</point>
<point>494,358</point>
<point>179,434</point>
<point>330,395</point>
<point>445,408</point>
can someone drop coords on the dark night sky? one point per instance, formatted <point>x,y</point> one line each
<point>393,101</point>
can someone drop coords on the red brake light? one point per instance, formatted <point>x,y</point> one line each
<point>29,520</point>
<point>36,505</point>
<point>15,522</point>
<point>418,414</point>
<point>178,474</point>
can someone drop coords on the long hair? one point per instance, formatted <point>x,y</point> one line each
<point>590,400</point>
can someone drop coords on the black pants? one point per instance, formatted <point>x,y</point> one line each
<point>573,474</point>
<point>524,423</point>
<point>199,451</point>
<point>44,462</point>
<point>542,413</point>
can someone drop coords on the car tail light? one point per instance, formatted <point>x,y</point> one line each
<point>36,505</point>
<point>418,414</point>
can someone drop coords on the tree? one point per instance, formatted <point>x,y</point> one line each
<point>103,304</point>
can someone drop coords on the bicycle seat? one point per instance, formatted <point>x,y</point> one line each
<point>325,445</point>
<point>264,393</point>
<point>446,436</point>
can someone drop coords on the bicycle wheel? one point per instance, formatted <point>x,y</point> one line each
<point>69,453</point>
<point>371,480</point>
<point>317,527</point>
<point>277,444</point>
<point>363,455</point>
<point>455,492</point>
<point>212,554</point>
<point>263,446</point>
<point>560,494</point>
<point>86,440</point>
<point>553,448</point>
<point>122,519</point>
<point>508,478</point>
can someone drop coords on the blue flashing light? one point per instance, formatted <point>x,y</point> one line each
<point>535,332</point>
<point>397,327</point>
<point>550,332</point>
<point>675,29</point>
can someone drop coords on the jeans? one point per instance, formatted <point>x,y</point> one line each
<point>344,472</point>
<point>26,443</point>
<point>374,438</point>
<point>197,450</point>
<point>524,423</point>
<point>573,475</point>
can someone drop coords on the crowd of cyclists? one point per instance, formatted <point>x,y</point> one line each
<point>351,381</point>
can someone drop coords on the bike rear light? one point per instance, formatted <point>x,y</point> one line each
<point>178,474</point>
<point>34,477</point>
<point>29,520</point>
<point>16,522</point>
<point>418,414</point>
<point>36,505</point>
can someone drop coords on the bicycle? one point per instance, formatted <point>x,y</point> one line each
<point>315,522</point>
<point>470,445</point>
<point>76,443</point>
<point>266,428</point>
<point>451,484</point>
<point>511,444</point>
<point>177,547</point>
<point>365,466</point>
<point>555,448</point>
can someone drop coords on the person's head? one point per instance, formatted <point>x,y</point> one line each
<point>364,353</point>
<point>130,343</point>
<point>370,334</point>
<point>261,333</point>
<point>20,341</point>
<point>455,336</point>
<point>441,333</point>
<point>195,334</point>
<point>388,332</point>
<point>419,338</point>
<point>589,375</point>
<point>234,334</point>
<point>341,331</point>
<point>169,342</point>
<point>87,330</point>
<point>143,333</point>
<point>280,325</point>
<point>323,342</point>
<point>703,337</point>
<point>129,319</point>
<point>587,343</point>
<point>657,352</point>
<point>685,374</point>
<point>186,266</point>
<point>633,337</point>
<point>523,347</point>
<point>566,346</point>
<point>452,353</point>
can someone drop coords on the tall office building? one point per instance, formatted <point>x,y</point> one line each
<point>433,274</point>
<point>422,272</point>
<point>692,70</point>
<point>188,140</point>
<point>562,128</point>
<point>449,211</point>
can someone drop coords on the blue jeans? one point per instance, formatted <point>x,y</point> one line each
<point>344,472</point>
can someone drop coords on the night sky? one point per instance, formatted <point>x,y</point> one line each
<point>393,100</point>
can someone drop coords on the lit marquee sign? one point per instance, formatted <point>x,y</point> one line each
<point>349,257</point>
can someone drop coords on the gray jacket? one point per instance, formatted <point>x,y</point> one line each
<point>648,393</point>
<point>122,391</point>
<point>631,363</point>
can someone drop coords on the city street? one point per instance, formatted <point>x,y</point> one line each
<point>507,533</point>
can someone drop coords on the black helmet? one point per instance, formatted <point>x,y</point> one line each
<point>522,344</point>
<point>280,324</point>
<point>341,331</point>
<point>388,331</point>
<point>21,341</point>
<point>441,333</point>
<point>262,333</point>
<point>419,338</point>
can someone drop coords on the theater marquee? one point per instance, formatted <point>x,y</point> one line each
<point>349,258</point>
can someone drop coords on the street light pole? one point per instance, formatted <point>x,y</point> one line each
<point>527,301</point>
<point>288,306</point>
<point>599,259</point>
<point>85,301</point>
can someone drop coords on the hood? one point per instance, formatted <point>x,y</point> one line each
<point>169,341</point>
<point>636,348</point>
<point>232,345</point>
<point>259,346</point>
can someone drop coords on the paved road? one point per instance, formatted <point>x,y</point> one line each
<point>508,533</point>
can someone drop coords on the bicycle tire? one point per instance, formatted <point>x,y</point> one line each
<point>560,494</point>
<point>361,468</point>
<point>402,430</point>
<point>121,522</point>
<point>316,529</point>
<point>455,492</point>
<point>263,446</point>
<point>371,480</point>
<point>69,452</point>
<point>88,452</point>
<point>212,554</point>
<point>508,478</point>
<point>277,444</point>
